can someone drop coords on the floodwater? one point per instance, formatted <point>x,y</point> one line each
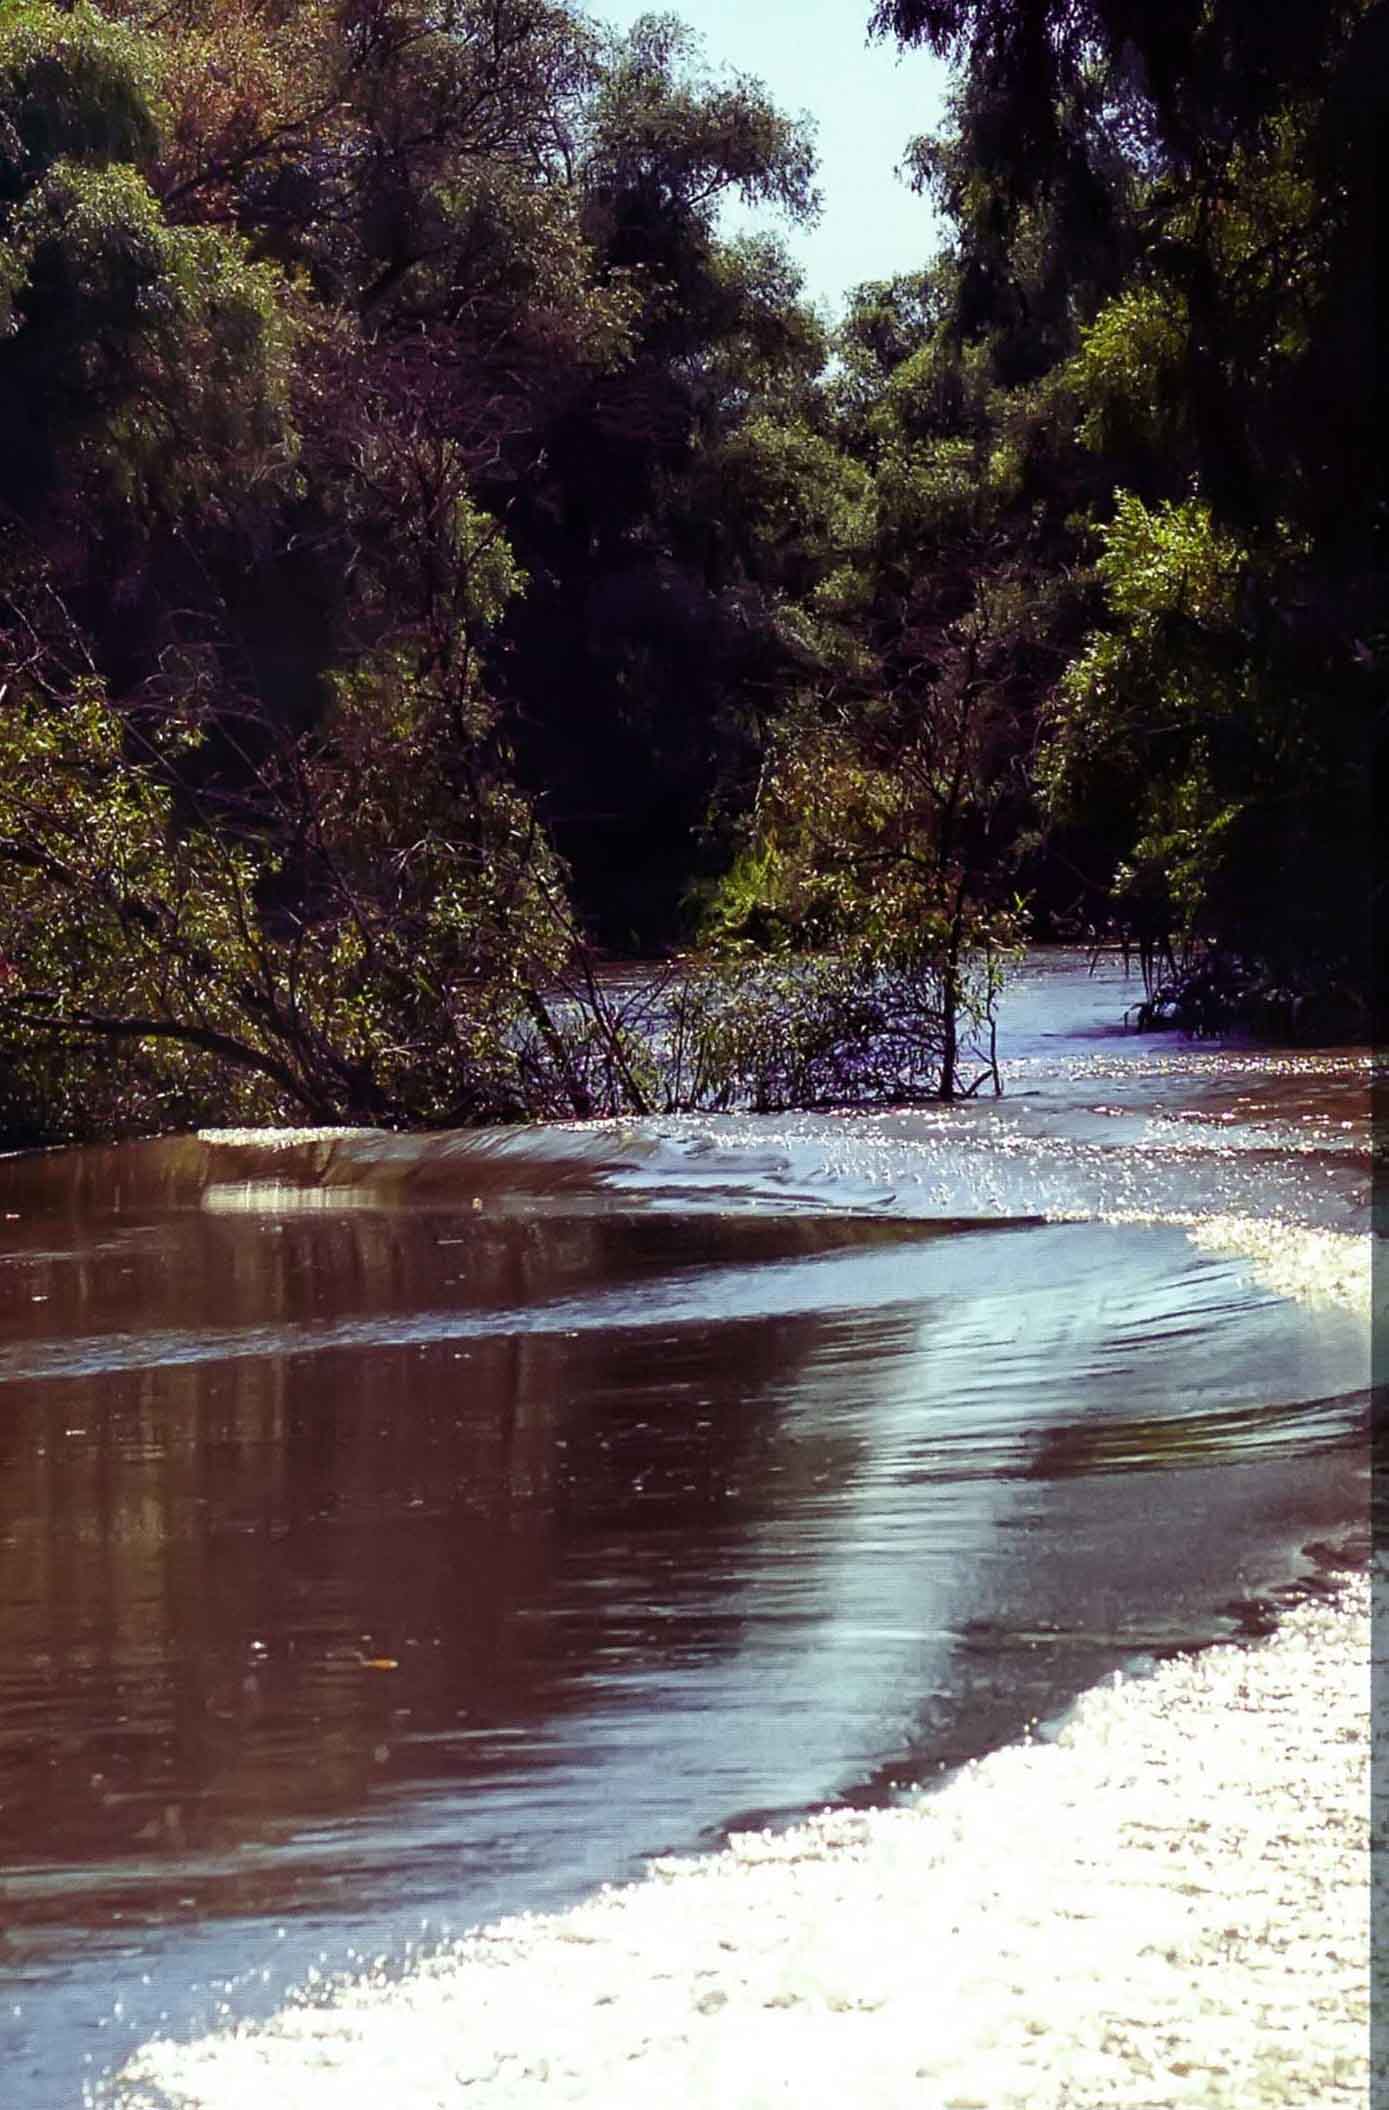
<point>400,1531</point>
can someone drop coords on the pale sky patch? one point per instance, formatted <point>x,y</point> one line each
<point>867,101</point>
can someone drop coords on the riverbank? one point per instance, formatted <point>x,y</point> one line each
<point>1165,1903</point>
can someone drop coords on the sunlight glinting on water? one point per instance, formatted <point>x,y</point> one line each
<point>414,1527</point>
<point>981,1950</point>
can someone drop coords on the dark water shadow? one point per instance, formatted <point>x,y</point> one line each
<point>532,1541</point>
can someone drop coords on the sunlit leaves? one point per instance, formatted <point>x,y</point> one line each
<point>665,130</point>
<point>1127,373</point>
<point>390,985</point>
<point>73,86</point>
<point>150,358</point>
<point>1168,715</point>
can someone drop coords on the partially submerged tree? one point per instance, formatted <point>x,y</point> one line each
<point>345,330</point>
<point>357,941</point>
<point>425,543</point>
<point>871,847</point>
<point>259,827</point>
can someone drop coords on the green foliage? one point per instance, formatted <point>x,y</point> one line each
<point>763,1034</point>
<point>1164,239</point>
<point>73,87</point>
<point>662,130</point>
<point>386,981</point>
<point>154,360</point>
<point>343,283</point>
<point>845,1028</point>
<point>866,861</point>
<point>1173,562</point>
<point>426,540</point>
<point>1127,372</point>
<point>1183,726</point>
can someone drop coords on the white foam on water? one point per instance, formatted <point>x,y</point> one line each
<point>1166,1905</point>
<point>1307,1265</point>
<point>281,1138</point>
<point>1310,1266</point>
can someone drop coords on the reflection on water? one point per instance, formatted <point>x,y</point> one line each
<point>394,1528</point>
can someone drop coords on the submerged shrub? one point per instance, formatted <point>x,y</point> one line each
<point>761,1035</point>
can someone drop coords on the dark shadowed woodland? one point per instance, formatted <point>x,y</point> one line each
<point>436,563</point>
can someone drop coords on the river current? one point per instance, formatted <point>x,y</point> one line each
<point>396,1532</point>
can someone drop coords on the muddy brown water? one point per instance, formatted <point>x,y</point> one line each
<point>396,1532</point>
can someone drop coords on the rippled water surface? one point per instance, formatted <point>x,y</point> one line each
<point>399,1531</point>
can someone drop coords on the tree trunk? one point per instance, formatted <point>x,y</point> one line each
<point>950,1002</point>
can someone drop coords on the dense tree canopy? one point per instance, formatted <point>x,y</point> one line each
<point>1201,188</point>
<point>429,545</point>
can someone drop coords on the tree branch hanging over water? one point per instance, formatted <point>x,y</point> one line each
<point>433,558</point>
